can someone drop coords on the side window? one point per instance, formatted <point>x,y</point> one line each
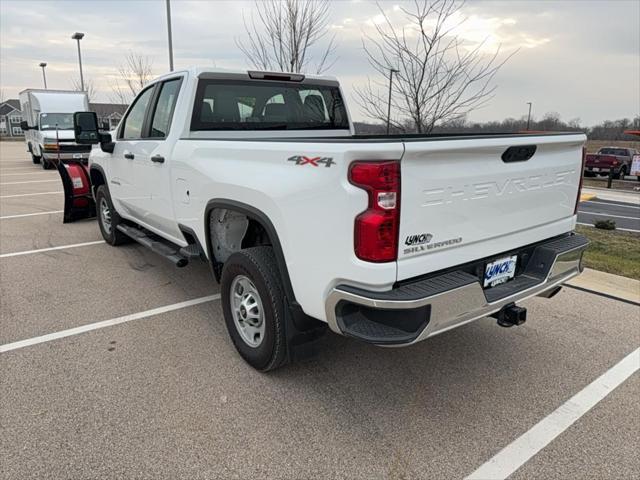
<point>132,128</point>
<point>164,108</point>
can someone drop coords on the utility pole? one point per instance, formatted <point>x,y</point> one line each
<point>78,36</point>
<point>44,76</point>
<point>529,116</point>
<point>391,72</point>
<point>169,34</point>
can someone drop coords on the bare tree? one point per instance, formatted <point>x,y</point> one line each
<point>134,73</point>
<point>284,35</point>
<point>440,78</point>
<point>89,87</point>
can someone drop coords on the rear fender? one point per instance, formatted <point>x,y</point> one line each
<point>78,198</point>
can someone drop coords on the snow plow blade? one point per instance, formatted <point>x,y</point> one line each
<point>78,198</point>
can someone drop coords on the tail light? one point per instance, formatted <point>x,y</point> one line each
<point>614,162</point>
<point>376,229</point>
<point>584,159</point>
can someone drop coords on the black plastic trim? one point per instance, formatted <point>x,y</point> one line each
<point>382,326</point>
<point>424,288</point>
<point>520,153</point>
<point>436,137</point>
<point>99,169</point>
<point>189,231</point>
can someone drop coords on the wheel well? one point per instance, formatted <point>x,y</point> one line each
<point>231,231</point>
<point>97,178</point>
<point>250,227</point>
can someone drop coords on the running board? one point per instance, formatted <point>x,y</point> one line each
<point>160,246</point>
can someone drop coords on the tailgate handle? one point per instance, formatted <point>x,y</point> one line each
<point>518,154</point>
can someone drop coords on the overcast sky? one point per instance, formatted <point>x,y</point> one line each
<point>578,58</point>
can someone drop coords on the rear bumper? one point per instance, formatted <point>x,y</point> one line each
<point>417,310</point>
<point>602,168</point>
<point>66,156</point>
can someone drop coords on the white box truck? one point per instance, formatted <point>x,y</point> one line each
<point>48,124</point>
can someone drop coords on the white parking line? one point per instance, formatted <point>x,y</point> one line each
<point>26,173</point>
<point>517,453</point>
<point>617,228</point>
<point>7,217</point>
<point>30,194</point>
<point>29,181</point>
<point>105,323</point>
<point>50,249</point>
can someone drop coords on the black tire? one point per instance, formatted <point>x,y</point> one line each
<point>620,173</point>
<point>46,164</point>
<point>258,264</point>
<point>623,172</point>
<point>35,159</point>
<point>110,232</point>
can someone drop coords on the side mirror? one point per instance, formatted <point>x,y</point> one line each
<point>106,144</point>
<point>24,126</point>
<point>85,127</point>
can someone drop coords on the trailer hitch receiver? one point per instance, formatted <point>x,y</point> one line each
<point>511,315</point>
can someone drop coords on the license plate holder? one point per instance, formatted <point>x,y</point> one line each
<point>77,155</point>
<point>499,271</point>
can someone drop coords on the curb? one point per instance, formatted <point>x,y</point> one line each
<point>584,197</point>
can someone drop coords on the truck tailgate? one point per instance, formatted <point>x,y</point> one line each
<point>460,201</point>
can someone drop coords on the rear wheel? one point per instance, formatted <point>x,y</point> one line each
<point>108,218</point>
<point>253,307</point>
<point>621,173</point>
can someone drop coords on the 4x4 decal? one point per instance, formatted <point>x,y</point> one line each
<point>315,161</point>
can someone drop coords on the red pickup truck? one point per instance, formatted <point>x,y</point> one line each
<point>609,159</point>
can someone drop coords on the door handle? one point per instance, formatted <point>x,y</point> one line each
<point>129,156</point>
<point>157,159</point>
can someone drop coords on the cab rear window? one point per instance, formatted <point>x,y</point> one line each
<point>267,105</point>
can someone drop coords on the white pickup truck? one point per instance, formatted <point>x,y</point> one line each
<point>389,240</point>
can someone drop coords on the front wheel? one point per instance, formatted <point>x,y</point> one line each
<point>35,159</point>
<point>108,218</point>
<point>253,307</point>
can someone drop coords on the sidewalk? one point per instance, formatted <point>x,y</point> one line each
<point>613,195</point>
<point>609,284</point>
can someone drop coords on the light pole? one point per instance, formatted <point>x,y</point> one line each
<point>44,76</point>
<point>529,116</point>
<point>391,72</point>
<point>169,34</point>
<point>78,36</point>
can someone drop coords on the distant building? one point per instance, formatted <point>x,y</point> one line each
<point>10,118</point>
<point>109,114</point>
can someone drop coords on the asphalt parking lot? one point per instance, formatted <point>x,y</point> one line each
<point>156,389</point>
<point>625,214</point>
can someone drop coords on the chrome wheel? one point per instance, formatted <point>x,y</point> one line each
<point>247,311</point>
<point>105,216</point>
